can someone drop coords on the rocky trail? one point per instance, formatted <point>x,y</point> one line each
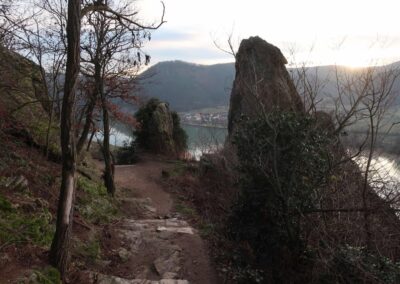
<point>155,244</point>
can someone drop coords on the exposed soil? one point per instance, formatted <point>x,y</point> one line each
<point>143,181</point>
<point>150,241</point>
<point>148,207</point>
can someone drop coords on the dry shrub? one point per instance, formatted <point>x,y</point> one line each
<point>209,185</point>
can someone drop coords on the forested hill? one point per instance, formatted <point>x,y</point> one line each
<point>188,86</point>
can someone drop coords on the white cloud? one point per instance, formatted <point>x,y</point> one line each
<point>283,22</point>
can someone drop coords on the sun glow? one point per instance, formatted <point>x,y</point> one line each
<point>361,40</point>
<point>352,57</point>
<point>354,60</point>
<point>360,58</point>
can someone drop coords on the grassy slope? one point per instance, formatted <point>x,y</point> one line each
<point>28,212</point>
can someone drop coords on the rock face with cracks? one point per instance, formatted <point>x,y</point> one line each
<point>261,83</point>
<point>156,133</point>
<point>162,126</point>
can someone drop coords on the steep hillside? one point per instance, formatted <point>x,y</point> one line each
<point>28,181</point>
<point>105,243</point>
<point>24,103</point>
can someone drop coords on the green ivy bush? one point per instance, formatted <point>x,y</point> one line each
<point>284,162</point>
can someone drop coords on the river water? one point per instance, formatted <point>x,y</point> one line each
<point>117,137</point>
<point>384,175</point>
<point>385,169</point>
<point>201,139</point>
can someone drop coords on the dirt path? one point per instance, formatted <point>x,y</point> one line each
<point>154,243</point>
<point>143,180</point>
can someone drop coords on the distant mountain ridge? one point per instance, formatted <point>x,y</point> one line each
<point>188,86</point>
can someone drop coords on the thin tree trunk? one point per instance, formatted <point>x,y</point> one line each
<point>59,252</point>
<point>58,105</point>
<point>91,139</point>
<point>367,229</point>
<point>86,127</point>
<point>108,163</point>
<point>50,122</point>
<point>48,108</point>
<point>53,95</point>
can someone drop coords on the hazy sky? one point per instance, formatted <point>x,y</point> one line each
<point>349,32</point>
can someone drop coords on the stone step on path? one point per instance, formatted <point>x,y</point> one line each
<point>142,205</point>
<point>152,244</point>
<point>173,225</point>
<point>141,236</point>
<point>99,278</point>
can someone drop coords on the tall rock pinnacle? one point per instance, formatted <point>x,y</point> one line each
<point>262,82</point>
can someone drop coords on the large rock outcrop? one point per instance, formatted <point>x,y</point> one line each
<point>261,83</point>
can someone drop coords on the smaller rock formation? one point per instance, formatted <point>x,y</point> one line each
<point>262,82</point>
<point>161,127</point>
<point>158,129</point>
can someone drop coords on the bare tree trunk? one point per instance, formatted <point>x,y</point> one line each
<point>108,162</point>
<point>59,252</point>
<point>53,95</point>
<point>50,122</point>
<point>58,105</point>
<point>367,229</point>
<point>48,108</point>
<point>88,124</point>
<point>91,139</point>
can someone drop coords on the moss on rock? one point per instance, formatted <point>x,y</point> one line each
<point>160,130</point>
